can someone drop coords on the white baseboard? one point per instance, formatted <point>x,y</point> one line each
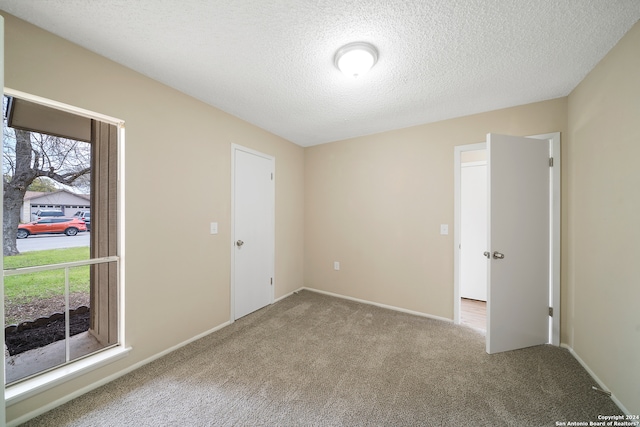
<point>601,384</point>
<point>287,295</point>
<point>390,307</point>
<point>41,410</point>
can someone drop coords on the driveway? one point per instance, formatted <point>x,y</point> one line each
<point>53,241</point>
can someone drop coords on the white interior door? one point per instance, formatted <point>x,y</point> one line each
<point>518,242</point>
<point>253,231</point>
<point>473,229</point>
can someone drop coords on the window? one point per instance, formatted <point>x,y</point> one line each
<point>61,275</point>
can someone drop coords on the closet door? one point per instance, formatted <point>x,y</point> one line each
<point>473,230</point>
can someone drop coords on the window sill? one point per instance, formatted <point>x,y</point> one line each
<point>25,389</point>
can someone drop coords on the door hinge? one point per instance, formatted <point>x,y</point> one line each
<point>272,280</point>
<point>550,311</point>
<point>271,176</point>
<point>550,162</point>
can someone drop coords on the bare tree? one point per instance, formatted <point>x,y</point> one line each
<point>29,155</point>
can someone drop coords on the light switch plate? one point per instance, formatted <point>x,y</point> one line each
<point>214,228</point>
<point>444,229</point>
<point>336,265</point>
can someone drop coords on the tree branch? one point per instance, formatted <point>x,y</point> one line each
<point>66,178</point>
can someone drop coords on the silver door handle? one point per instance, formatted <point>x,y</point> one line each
<point>487,254</point>
<point>239,243</point>
<point>497,255</point>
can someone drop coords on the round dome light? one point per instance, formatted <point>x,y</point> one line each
<point>355,59</point>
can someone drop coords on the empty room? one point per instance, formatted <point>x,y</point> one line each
<point>278,238</point>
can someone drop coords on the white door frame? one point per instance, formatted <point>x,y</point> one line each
<point>234,149</point>
<point>554,270</point>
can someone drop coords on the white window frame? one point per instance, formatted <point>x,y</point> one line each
<point>34,385</point>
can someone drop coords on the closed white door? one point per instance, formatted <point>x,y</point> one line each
<point>473,230</point>
<point>253,231</point>
<point>518,242</point>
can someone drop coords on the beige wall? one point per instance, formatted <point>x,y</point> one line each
<point>473,156</point>
<point>178,153</point>
<point>375,204</point>
<point>602,200</point>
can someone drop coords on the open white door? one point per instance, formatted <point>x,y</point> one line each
<point>518,242</point>
<point>253,231</point>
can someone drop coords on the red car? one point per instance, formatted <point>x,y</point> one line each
<point>68,226</point>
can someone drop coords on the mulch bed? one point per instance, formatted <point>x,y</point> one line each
<point>45,330</point>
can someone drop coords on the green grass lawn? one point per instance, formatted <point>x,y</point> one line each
<point>45,284</point>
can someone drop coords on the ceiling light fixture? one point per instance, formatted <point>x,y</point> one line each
<point>355,59</point>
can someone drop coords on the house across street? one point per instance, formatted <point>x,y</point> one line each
<point>67,202</point>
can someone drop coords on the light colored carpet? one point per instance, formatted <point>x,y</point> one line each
<point>315,360</point>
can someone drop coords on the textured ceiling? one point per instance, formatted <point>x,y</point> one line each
<point>270,62</point>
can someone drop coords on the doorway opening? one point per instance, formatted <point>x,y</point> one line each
<point>473,238</point>
<point>473,313</point>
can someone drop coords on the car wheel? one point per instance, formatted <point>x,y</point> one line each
<point>22,234</point>
<point>71,231</point>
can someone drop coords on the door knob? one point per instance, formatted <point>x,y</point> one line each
<point>497,255</point>
<point>239,243</point>
<point>487,254</point>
